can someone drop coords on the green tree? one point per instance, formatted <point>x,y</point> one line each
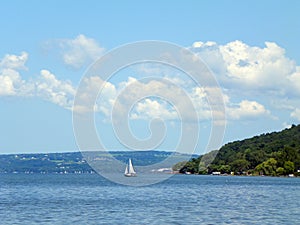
<point>225,169</point>
<point>289,167</point>
<point>280,171</point>
<point>190,167</point>
<point>260,169</point>
<point>267,167</point>
<point>240,165</point>
<point>202,169</point>
<point>289,153</point>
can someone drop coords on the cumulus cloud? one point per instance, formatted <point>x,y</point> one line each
<point>95,86</point>
<point>79,51</point>
<point>16,62</point>
<point>247,110</point>
<point>11,82</point>
<point>156,106</point>
<point>261,72</point>
<point>169,99</point>
<point>240,66</point>
<point>162,99</point>
<point>150,109</point>
<point>8,80</point>
<point>50,88</point>
<point>258,67</point>
<point>210,53</point>
<point>295,80</point>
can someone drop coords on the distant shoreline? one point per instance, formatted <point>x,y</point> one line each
<point>76,163</point>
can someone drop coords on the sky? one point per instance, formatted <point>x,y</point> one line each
<point>250,47</point>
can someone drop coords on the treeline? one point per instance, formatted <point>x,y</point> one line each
<point>272,154</point>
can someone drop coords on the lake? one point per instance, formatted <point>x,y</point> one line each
<point>182,199</point>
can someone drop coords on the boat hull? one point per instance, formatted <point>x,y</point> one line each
<point>130,175</point>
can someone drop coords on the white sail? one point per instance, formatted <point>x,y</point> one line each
<point>129,170</point>
<point>126,170</point>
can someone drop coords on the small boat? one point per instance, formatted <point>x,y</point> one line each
<point>129,170</point>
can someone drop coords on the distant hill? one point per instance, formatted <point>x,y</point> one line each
<point>276,153</point>
<point>73,162</point>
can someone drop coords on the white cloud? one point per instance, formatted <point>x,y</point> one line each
<point>79,51</point>
<point>6,86</point>
<point>156,98</point>
<point>11,82</point>
<point>201,44</point>
<point>16,62</point>
<point>239,66</point>
<point>247,110</point>
<point>296,114</point>
<point>46,86</point>
<point>197,44</point>
<point>50,88</point>
<point>86,100</point>
<point>62,93</point>
<point>8,80</point>
<point>210,53</point>
<point>258,67</point>
<point>143,107</point>
<point>150,109</point>
<point>253,72</point>
<point>241,69</point>
<point>295,80</point>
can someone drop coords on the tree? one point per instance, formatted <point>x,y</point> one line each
<point>260,169</point>
<point>289,167</point>
<point>253,157</point>
<point>280,171</point>
<point>267,167</point>
<point>190,167</point>
<point>240,165</point>
<point>202,169</point>
<point>225,169</point>
<point>289,153</point>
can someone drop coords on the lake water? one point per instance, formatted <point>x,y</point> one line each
<point>182,199</point>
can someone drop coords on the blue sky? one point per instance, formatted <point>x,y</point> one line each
<point>251,46</point>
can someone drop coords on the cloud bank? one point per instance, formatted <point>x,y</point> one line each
<point>245,73</point>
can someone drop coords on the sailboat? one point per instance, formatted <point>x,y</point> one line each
<point>129,170</point>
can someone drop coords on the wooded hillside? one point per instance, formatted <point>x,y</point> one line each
<point>276,153</point>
